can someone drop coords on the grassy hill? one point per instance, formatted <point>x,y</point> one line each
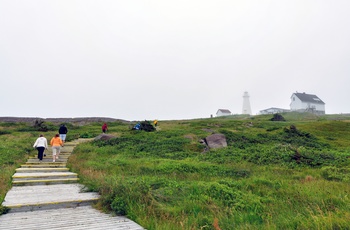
<point>291,174</point>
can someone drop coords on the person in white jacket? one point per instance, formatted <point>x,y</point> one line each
<point>40,144</point>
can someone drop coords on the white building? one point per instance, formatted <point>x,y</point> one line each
<point>302,102</point>
<point>223,112</point>
<point>273,110</point>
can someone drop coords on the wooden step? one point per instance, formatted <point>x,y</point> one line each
<point>29,198</point>
<point>35,170</point>
<point>47,160</point>
<point>49,164</point>
<point>62,155</point>
<point>70,144</point>
<point>78,218</point>
<point>52,205</point>
<point>65,149</point>
<point>43,176</point>
<point>44,165</point>
<point>44,182</point>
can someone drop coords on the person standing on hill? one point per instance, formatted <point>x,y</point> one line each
<point>40,144</point>
<point>56,144</point>
<point>63,132</point>
<point>104,128</point>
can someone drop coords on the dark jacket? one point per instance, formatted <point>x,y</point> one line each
<point>63,130</point>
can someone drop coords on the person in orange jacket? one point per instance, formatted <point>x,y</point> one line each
<point>56,144</point>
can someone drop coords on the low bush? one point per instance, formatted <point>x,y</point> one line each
<point>336,174</point>
<point>4,132</point>
<point>4,210</point>
<point>88,135</point>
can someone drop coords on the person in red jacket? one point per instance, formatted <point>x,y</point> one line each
<point>104,128</point>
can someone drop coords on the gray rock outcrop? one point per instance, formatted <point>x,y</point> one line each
<point>215,141</point>
<point>104,137</point>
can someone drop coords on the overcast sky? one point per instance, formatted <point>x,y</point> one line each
<point>159,59</point>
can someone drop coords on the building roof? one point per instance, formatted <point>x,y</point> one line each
<point>224,111</point>
<point>304,97</point>
<point>274,108</point>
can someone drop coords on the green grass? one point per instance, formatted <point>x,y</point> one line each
<point>272,175</point>
<point>269,177</point>
<point>13,152</point>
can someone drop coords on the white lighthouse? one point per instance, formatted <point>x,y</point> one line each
<point>246,104</point>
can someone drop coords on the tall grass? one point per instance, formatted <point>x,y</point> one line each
<point>15,147</point>
<point>272,175</point>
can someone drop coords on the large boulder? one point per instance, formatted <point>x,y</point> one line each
<point>215,141</point>
<point>104,137</point>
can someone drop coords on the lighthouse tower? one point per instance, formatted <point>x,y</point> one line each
<point>246,104</point>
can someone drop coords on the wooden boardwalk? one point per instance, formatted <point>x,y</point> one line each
<point>45,195</point>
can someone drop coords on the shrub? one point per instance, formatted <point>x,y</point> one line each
<point>40,125</point>
<point>119,206</point>
<point>300,138</point>
<point>8,124</point>
<point>4,210</point>
<point>87,135</point>
<point>336,174</point>
<point>4,132</point>
<point>277,117</point>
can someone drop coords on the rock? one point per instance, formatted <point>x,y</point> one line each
<point>215,141</point>
<point>104,137</point>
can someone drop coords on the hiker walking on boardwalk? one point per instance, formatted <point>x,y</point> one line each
<point>104,128</point>
<point>56,144</point>
<point>40,144</point>
<point>63,132</point>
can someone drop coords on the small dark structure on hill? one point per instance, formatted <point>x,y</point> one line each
<point>145,126</point>
<point>277,117</point>
<point>40,125</point>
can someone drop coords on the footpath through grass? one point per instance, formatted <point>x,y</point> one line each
<point>16,145</point>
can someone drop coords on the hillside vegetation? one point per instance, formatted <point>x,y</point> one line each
<point>291,174</point>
